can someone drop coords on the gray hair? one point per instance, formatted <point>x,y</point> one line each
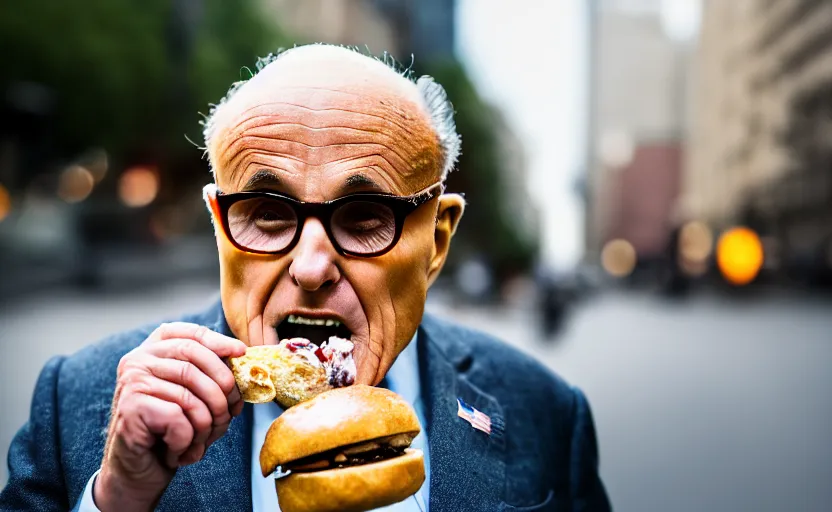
<point>434,98</point>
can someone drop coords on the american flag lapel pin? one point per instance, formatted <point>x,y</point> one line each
<point>477,419</point>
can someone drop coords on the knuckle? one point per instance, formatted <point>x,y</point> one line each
<point>162,331</point>
<point>137,384</point>
<point>185,372</point>
<point>186,399</point>
<point>128,360</point>
<point>128,405</point>
<point>122,363</point>
<point>184,349</point>
<point>129,373</point>
<point>200,332</point>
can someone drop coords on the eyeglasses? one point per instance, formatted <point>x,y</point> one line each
<point>364,224</point>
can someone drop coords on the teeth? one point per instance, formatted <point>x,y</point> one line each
<point>295,319</point>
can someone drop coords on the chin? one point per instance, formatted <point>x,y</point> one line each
<point>367,364</point>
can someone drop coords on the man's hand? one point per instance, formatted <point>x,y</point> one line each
<point>174,397</point>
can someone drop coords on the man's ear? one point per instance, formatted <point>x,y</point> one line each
<point>209,195</point>
<point>451,208</point>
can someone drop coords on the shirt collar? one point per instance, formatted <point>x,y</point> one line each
<point>403,376</point>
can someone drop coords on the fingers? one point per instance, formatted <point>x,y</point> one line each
<point>165,419</point>
<point>221,345</point>
<point>183,383</point>
<point>203,372</point>
<point>195,409</point>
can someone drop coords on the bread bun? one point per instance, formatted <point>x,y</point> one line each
<point>339,417</point>
<point>345,449</point>
<point>353,489</point>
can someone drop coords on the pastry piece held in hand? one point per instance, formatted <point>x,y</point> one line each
<point>290,372</point>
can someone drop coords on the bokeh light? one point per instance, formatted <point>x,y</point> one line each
<point>5,203</point>
<point>138,186</point>
<point>739,255</point>
<point>618,258</point>
<point>75,184</point>
<point>696,243</point>
<point>98,164</point>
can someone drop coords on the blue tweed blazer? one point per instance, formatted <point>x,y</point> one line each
<point>540,456</point>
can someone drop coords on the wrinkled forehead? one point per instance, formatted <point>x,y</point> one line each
<point>326,106</point>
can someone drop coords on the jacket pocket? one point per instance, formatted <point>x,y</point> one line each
<point>547,505</point>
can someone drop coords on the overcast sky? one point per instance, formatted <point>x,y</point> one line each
<point>529,57</point>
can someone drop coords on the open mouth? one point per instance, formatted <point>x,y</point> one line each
<point>358,454</point>
<point>316,330</point>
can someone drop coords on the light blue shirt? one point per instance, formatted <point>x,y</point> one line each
<point>402,378</point>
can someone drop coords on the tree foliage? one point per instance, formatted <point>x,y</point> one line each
<point>490,228</point>
<point>130,75</point>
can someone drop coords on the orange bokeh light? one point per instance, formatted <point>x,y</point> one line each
<point>75,184</point>
<point>5,203</point>
<point>739,255</point>
<point>138,186</point>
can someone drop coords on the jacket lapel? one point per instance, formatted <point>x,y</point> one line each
<point>467,467</point>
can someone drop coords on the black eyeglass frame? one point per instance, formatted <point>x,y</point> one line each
<point>401,206</point>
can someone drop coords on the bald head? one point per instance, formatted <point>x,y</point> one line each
<point>322,81</point>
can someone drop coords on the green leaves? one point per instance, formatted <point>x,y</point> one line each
<point>130,75</point>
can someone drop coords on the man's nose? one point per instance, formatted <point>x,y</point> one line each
<point>313,258</point>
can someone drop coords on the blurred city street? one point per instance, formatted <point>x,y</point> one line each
<point>648,180</point>
<point>704,404</point>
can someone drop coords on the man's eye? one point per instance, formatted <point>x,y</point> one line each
<point>364,225</point>
<point>268,216</point>
<point>267,219</point>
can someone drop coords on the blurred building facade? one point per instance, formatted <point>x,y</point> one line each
<point>350,22</point>
<point>760,149</point>
<point>400,27</point>
<point>639,108</point>
<point>426,28</point>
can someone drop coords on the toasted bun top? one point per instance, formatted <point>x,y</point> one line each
<point>339,417</point>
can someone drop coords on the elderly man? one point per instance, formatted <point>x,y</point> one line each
<point>328,203</point>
